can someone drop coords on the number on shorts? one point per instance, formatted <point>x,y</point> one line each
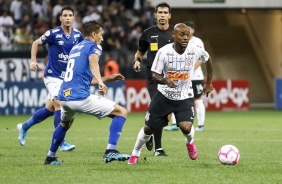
<point>69,70</point>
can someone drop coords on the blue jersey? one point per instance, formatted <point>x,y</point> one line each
<point>78,77</point>
<point>59,49</point>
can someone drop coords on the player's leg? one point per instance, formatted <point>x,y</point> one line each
<point>173,126</point>
<point>53,86</point>
<point>185,119</point>
<point>200,112</point>
<point>156,118</point>
<point>60,133</point>
<point>200,108</point>
<point>141,140</point>
<point>36,118</point>
<point>102,107</point>
<point>118,115</point>
<point>152,89</point>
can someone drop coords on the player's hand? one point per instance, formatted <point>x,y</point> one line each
<point>207,89</point>
<point>116,77</point>
<point>137,66</point>
<point>171,83</point>
<point>33,66</point>
<point>102,89</point>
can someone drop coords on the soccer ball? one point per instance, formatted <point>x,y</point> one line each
<point>228,155</point>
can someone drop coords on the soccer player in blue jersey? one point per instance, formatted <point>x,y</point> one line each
<point>60,41</point>
<point>75,95</point>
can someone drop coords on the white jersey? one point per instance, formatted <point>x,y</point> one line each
<point>179,67</point>
<point>198,73</point>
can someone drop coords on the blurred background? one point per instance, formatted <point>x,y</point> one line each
<point>244,38</point>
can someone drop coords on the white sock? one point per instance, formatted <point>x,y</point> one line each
<point>142,138</point>
<point>51,154</point>
<point>200,111</point>
<point>173,120</point>
<point>189,138</point>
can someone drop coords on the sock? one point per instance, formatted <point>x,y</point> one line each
<point>190,137</point>
<point>115,131</point>
<point>58,136</point>
<point>173,120</point>
<point>37,117</point>
<point>57,118</point>
<point>158,138</point>
<point>200,111</point>
<point>142,138</point>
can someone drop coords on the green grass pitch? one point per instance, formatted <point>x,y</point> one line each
<point>257,134</point>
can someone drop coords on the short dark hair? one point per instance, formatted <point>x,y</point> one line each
<point>162,4</point>
<point>190,24</point>
<point>66,8</point>
<point>90,27</point>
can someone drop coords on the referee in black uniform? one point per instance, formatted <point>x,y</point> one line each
<point>151,40</point>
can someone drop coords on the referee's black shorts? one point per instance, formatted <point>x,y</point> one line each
<point>160,107</point>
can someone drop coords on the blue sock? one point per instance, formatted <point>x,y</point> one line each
<point>58,136</point>
<point>115,131</point>
<point>37,117</point>
<point>57,118</point>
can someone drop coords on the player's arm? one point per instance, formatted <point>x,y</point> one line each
<point>110,78</point>
<point>157,70</point>
<point>142,49</point>
<point>137,61</point>
<point>208,86</point>
<point>95,69</point>
<point>198,63</point>
<point>34,50</point>
<point>158,78</point>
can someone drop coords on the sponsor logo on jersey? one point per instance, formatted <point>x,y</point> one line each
<point>50,71</point>
<point>61,42</point>
<point>59,36</point>
<point>173,95</point>
<point>74,55</point>
<point>76,35</point>
<point>62,56</point>
<point>55,30</point>
<point>178,76</point>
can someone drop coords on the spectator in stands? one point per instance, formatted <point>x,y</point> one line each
<point>6,30</point>
<point>16,10</point>
<point>22,38</point>
<point>111,66</point>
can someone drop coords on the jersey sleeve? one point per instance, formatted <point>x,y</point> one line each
<point>202,55</point>
<point>48,37</point>
<point>158,64</point>
<point>143,43</point>
<point>95,49</point>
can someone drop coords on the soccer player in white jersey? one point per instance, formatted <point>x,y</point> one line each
<point>60,41</point>
<point>197,84</point>
<point>75,95</point>
<point>176,62</point>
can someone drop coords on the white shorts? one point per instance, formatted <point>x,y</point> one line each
<point>53,86</point>
<point>93,105</point>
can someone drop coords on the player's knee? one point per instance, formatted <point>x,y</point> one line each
<point>185,127</point>
<point>120,111</point>
<point>148,130</point>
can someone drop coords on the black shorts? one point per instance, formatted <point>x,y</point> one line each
<point>152,86</point>
<point>160,107</point>
<point>198,86</point>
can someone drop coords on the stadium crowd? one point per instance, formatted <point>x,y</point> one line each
<point>22,21</point>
